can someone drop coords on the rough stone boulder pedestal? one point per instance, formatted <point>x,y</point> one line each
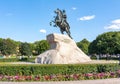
<point>63,50</point>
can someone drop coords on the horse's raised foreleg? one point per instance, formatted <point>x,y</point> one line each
<point>51,23</point>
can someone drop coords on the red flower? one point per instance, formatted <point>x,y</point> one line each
<point>89,75</point>
<point>17,77</point>
<point>118,72</point>
<point>37,78</point>
<point>28,77</point>
<point>112,74</point>
<point>100,75</point>
<point>46,77</point>
<point>76,76</point>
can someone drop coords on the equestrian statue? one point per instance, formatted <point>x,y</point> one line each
<point>60,20</point>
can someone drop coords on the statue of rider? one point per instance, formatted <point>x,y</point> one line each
<point>61,21</point>
<point>64,17</point>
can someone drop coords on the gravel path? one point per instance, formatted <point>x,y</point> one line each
<point>91,62</point>
<point>103,81</point>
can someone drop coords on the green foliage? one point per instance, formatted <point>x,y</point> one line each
<point>25,49</point>
<point>17,59</point>
<point>32,47</point>
<point>83,45</point>
<point>1,40</point>
<point>41,46</point>
<point>7,47</point>
<point>10,47</point>
<point>106,43</point>
<point>57,69</point>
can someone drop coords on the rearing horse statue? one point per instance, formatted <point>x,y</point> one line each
<point>61,22</point>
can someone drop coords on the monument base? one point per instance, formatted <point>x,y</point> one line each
<point>63,50</point>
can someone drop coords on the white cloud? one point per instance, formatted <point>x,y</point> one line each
<point>42,30</point>
<point>116,21</point>
<point>112,27</point>
<point>115,25</point>
<point>74,8</point>
<point>87,17</point>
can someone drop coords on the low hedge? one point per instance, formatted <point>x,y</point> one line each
<point>17,59</point>
<point>56,69</point>
<point>105,58</point>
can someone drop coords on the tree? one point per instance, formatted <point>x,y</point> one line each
<point>33,46</point>
<point>18,47</point>
<point>7,46</point>
<point>41,46</point>
<point>25,49</point>
<point>1,40</point>
<point>83,45</point>
<point>106,43</point>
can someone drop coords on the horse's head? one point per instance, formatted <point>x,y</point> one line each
<point>57,11</point>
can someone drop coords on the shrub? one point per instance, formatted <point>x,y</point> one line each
<point>57,69</point>
<point>17,59</point>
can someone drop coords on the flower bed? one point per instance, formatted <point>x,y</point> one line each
<point>58,72</point>
<point>61,77</point>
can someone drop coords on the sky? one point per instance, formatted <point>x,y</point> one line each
<point>28,20</point>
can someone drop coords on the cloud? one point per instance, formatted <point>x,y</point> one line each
<point>115,25</point>
<point>42,30</point>
<point>74,8</point>
<point>9,14</point>
<point>116,21</point>
<point>87,18</point>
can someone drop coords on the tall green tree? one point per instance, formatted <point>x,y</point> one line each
<point>41,46</point>
<point>83,45</point>
<point>25,49</point>
<point>7,46</point>
<point>106,43</point>
<point>1,41</point>
<point>33,46</point>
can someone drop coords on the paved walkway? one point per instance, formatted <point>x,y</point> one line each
<point>90,62</point>
<point>103,81</point>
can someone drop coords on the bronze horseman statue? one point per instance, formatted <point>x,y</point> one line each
<point>61,22</point>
